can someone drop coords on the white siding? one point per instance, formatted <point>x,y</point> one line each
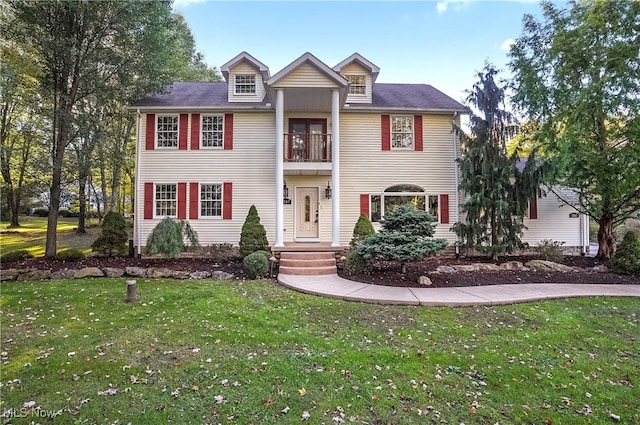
<point>305,76</point>
<point>245,68</point>
<point>356,69</point>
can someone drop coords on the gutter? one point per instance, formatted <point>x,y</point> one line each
<point>136,228</point>
<point>456,178</point>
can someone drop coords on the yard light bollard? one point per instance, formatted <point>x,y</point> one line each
<point>273,261</point>
<point>131,291</point>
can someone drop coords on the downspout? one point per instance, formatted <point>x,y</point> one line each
<point>136,211</point>
<point>456,178</point>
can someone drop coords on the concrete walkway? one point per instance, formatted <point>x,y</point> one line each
<point>334,286</point>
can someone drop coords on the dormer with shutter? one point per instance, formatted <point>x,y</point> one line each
<point>245,76</point>
<point>361,75</point>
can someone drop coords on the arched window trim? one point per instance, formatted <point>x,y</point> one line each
<point>431,201</point>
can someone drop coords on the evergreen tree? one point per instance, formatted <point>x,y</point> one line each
<point>406,235</point>
<point>254,236</point>
<point>362,230</point>
<point>168,238</point>
<point>114,236</point>
<point>498,192</point>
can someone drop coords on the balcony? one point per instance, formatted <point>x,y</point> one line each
<point>307,153</point>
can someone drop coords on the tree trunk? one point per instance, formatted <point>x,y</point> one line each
<point>606,239</point>
<point>14,206</point>
<point>82,194</point>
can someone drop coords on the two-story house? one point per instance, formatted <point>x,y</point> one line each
<point>312,147</point>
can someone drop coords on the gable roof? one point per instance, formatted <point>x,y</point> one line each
<point>356,57</point>
<point>411,96</point>
<point>313,61</point>
<point>209,94</point>
<point>244,56</point>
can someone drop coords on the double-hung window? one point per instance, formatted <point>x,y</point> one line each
<point>166,200</point>
<point>210,200</point>
<point>212,131</point>
<point>394,196</point>
<point>402,132</point>
<point>245,84</point>
<point>167,131</point>
<point>357,84</point>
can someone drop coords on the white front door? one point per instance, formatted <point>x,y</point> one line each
<point>307,212</point>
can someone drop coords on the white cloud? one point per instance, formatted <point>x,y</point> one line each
<point>506,45</point>
<point>457,5</point>
<point>185,3</point>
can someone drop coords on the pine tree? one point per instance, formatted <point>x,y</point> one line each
<point>114,236</point>
<point>498,192</point>
<point>362,230</point>
<point>254,236</point>
<point>406,235</point>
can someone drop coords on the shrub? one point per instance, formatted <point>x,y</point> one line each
<point>549,250</point>
<point>168,238</point>
<point>222,252</point>
<point>362,230</point>
<point>253,236</point>
<point>267,254</point>
<point>70,255</point>
<point>256,265</point>
<point>41,212</point>
<point>18,255</point>
<point>66,213</point>
<point>626,260</point>
<point>114,236</point>
<point>354,263</point>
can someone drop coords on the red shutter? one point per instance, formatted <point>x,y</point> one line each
<point>444,209</point>
<point>195,132</point>
<point>417,132</point>
<point>228,131</point>
<point>183,131</point>
<point>148,201</point>
<point>194,200</point>
<point>182,200</point>
<point>533,208</point>
<point>226,200</point>
<point>386,132</point>
<point>150,134</point>
<point>364,204</point>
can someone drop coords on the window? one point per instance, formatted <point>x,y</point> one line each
<point>166,200</point>
<point>211,200</point>
<point>402,132</point>
<point>357,84</point>
<point>167,131</point>
<point>433,205</point>
<point>397,195</point>
<point>212,126</point>
<point>245,84</point>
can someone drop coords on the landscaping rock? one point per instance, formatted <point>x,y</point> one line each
<point>446,269</point>
<point>487,267</point>
<point>180,274</point>
<point>64,274</point>
<point>9,274</point>
<point>135,271</point>
<point>547,266</point>
<point>113,272</point>
<point>465,267</point>
<point>88,272</point>
<point>34,274</point>
<point>424,280</point>
<point>600,269</point>
<point>159,272</point>
<point>514,265</point>
<point>200,275</point>
<point>219,274</point>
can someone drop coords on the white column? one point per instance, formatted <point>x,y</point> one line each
<point>335,167</point>
<point>279,167</point>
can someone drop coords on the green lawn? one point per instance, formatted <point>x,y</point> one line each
<point>253,352</point>
<point>32,235</point>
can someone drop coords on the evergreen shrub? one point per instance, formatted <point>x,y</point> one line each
<point>168,238</point>
<point>549,250</point>
<point>18,255</point>
<point>70,254</point>
<point>113,239</point>
<point>253,236</point>
<point>256,265</point>
<point>626,260</point>
<point>362,230</point>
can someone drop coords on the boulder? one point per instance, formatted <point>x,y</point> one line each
<point>135,271</point>
<point>9,274</point>
<point>487,267</point>
<point>200,275</point>
<point>159,272</point>
<point>88,272</point>
<point>219,274</point>
<point>547,266</point>
<point>64,274</point>
<point>465,267</point>
<point>113,272</point>
<point>446,269</point>
<point>180,274</point>
<point>424,280</point>
<point>34,274</point>
<point>514,265</point>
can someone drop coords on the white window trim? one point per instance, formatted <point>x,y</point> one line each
<point>202,146</point>
<point>177,132</point>
<point>413,133</point>
<point>426,203</point>
<point>155,200</point>
<point>364,85</point>
<point>210,217</point>
<point>255,85</point>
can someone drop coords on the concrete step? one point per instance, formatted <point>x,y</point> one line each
<point>308,263</point>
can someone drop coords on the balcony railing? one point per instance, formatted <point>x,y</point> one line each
<point>307,147</point>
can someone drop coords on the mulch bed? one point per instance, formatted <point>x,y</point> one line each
<point>385,274</point>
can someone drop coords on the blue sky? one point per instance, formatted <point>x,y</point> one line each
<point>441,42</point>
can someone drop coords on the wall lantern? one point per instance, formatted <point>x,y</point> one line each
<point>285,194</point>
<point>327,191</point>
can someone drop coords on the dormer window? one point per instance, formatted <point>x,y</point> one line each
<point>245,84</point>
<point>357,84</point>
